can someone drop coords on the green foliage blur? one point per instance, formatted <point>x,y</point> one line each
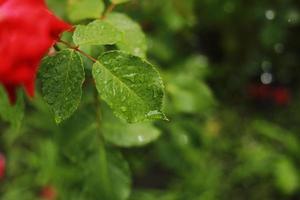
<point>224,139</point>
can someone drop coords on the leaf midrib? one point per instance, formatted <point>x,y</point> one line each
<point>123,83</point>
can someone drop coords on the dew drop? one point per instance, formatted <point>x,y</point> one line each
<point>141,138</point>
<point>266,78</point>
<point>270,14</point>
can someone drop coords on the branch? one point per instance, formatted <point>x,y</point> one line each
<point>76,48</point>
<point>109,9</point>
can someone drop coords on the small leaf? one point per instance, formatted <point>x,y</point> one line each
<point>85,9</point>
<point>96,33</point>
<point>102,167</point>
<point>286,174</point>
<point>109,176</point>
<point>127,135</point>
<point>62,77</point>
<point>12,114</point>
<point>119,1</point>
<point>118,169</point>
<point>133,40</point>
<point>131,86</point>
<point>189,95</point>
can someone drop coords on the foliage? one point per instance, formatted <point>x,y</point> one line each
<point>211,138</point>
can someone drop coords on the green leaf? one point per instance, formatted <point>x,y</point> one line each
<point>127,135</point>
<point>12,114</point>
<point>131,86</point>
<point>97,32</point>
<point>118,169</point>
<point>62,77</point>
<point>85,9</point>
<point>133,40</point>
<point>99,166</point>
<point>196,66</point>
<point>276,133</point>
<point>286,174</point>
<point>58,7</point>
<point>84,132</point>
<point>46,161</point>
<point>108,175</point>
<point>189,95</point>
<point>119,1</point>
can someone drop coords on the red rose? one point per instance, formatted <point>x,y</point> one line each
<point>2,165</point>
<point>27,30</point>
<point>281,96</point>
<point>48,193</point>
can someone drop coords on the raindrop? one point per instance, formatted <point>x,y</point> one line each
<point>130,77</point>
<point>137,51</point>
<point>153,113</point>
<point>266,78</point>
<point>293,17</point>
<point>141,138</point>
<point>270,14</point>
<point>155,93</point>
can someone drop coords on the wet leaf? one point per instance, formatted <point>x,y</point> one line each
<point>96,33</point>
<point>62,77</point>
<point>133,40</point>
<point>13,114</point>
<point>85,9</point>
<point>119,1</point>
<point>131,86</point>
<point>127,135</point>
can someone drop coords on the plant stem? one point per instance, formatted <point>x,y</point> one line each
<point>109,9</point>
<point>76,48</point>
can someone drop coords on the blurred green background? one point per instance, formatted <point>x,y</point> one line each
<point>231,71</point>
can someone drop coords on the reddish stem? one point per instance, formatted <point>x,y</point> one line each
<point>76,48</point>
<point>109,9</point>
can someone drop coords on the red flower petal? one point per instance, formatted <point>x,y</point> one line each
<point>2,165</point>
<point>27,31</point>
